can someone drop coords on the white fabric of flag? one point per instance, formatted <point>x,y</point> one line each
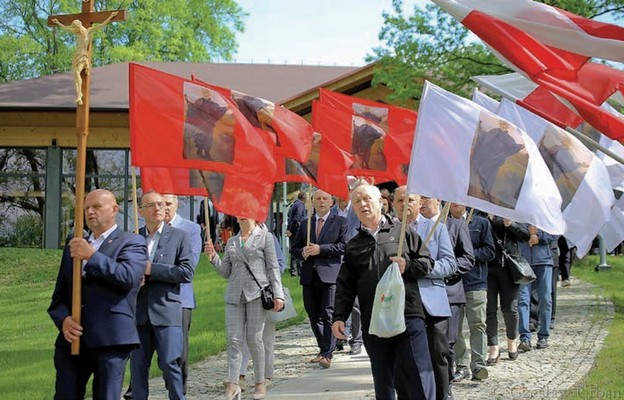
<point>484,100</point>
<point>466,154</point>
<point>548,24</point>
<point>581,177</point>
<point>613,231</point>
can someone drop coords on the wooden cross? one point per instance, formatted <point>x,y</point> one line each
<point>82,25</point>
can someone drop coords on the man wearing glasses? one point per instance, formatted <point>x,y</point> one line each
<point>159,310</point>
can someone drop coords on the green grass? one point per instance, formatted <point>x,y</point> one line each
<point>606,378</point>
<point>27,278</point>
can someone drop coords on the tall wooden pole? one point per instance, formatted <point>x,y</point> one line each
<point>87,18</point>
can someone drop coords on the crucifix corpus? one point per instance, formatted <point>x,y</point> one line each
<point>82,25</point>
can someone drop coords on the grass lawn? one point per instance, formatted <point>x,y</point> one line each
<point>27,280</point>
<point>606,378</point>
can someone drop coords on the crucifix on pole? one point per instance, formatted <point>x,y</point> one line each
<point>82,25</point>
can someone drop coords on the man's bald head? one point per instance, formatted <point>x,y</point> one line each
<point>100,211</point>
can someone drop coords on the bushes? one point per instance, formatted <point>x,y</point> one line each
<point>26,232</point>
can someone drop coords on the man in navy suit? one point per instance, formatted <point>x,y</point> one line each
<point>296,214</point>
<point>113,265</point>
<point>319,270</point>
<point>159,309</point>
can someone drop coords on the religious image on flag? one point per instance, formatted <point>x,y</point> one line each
<point>208,125</point>
<point>290,132</point>
<point>498,161</point>
<point>178,181</point>
<point>512,180</point>
<point>580,176</point>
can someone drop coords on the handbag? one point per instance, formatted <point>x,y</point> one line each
<point>266,292</point>
<point>388,316</point>
<point>519,268</point>
<point>287,312</point>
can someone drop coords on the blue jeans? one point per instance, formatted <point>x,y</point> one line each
<point>544,291</point>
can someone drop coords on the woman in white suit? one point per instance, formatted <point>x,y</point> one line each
<point>244,315</point>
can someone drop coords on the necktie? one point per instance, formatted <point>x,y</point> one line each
<point>319,226</point>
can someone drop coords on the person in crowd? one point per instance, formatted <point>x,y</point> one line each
<point>386,203</point>
<point>319,270</point>
<point>367,256</point>
<point>566,256</point>
<point>296,213</point>
<point>507,236</point>
<point>475,288</point>
<point>353,331</point>
<point>159,310</point>
<point>187,294</point>
<point>250,252</point>
<point>432,287</point>
<point>113,265</point>
<point>537,252</point>
<point>268,335</point>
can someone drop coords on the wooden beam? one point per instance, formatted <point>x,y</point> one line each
<point>88,18</point>
<point>99,137</point>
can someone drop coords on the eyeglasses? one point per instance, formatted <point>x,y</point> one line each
<point>159,204</point>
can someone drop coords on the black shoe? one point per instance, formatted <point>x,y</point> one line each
<point>492,361</point>
<point>128,394</point>
<point>512,355</point>
<point>479,374</point>
<point>542,344</point>
<point>355,350</point>
<point>461,374</point>
<point>339,347</point>
<point>524,346</point>
<point>533,327</point>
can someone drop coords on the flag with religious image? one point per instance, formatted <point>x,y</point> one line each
<point>398,122</point>
<point>178,181</point>
<point>291,132</point>
<point>466,154</point>
<point>325,169</point>
<point>581,177</point>
<point>177,123</point>
<point>374,151</point>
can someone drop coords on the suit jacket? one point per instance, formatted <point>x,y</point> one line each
<point>193,231</point>
<point>353,222</point>
<point>484,251</point>
<point>159,299</point>
<point>332,241</point>
<point>296,214</point>
<point>259,254</point>
<point>464,256</point>
<point>109,291</point>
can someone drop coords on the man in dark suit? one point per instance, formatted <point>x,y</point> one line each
<point>159,311</point>
<point>319,270</point>
<point>114,262</point>
<point>296,214</point>
<point>214,221</point>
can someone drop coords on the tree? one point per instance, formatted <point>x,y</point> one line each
<point>430,44</point>
<point>173,30</point>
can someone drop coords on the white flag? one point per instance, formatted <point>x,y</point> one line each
<point>613,231</point>
<point>484,100</point>
<point>469,155</point>
<point>581,177</point>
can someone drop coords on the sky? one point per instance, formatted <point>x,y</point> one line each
<point>311,32</point>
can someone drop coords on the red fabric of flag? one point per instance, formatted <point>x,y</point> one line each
<point>177,123</point>
<point>374,151</point>
<point>293,134</point>
<point>178,181</point>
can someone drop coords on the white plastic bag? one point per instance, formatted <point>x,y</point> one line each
<point>388,316</point>
<point>289,309</point>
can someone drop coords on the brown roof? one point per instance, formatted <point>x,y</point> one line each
<point>109,84</point>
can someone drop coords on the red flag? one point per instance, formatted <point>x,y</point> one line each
<point>374,151</point>
<point>293,134</point>
<point>326,168</point>
<point>179,181</point>
<point>177,123</point>
<point>239,195</point>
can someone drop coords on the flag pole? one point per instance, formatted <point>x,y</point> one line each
<point>587,141</point>
<point>403,225</point>
<point>135,201</point>
<point>309,209</point>
<point>207,220</point>
<point>443,215</point>
<point>469,218</point>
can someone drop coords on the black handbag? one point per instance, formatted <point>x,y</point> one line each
<point>266,293</point>
<point>519,268</point>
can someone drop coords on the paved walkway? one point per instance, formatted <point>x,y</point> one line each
<point>583,318</point>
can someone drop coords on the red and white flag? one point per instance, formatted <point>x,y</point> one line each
<point>550,25</point>
<point>466,154</point>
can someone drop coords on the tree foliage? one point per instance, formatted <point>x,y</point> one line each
<point>172,30</point>
<point>430,44</point>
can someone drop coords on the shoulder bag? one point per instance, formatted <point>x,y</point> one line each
<point>519,268</point>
